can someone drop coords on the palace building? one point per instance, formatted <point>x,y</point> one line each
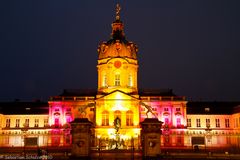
<point>207,124</point>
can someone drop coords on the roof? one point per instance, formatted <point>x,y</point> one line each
<point>79,92</point>
<point>236,109</point>
<point>93,92</point>
<point>211,107</point>
<point>156,92</point>
<point>23,108</point>
<point>81,120</point>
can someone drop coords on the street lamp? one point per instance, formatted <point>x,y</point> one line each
<point>99,145</point>
<point>208,134</point>
<point>24,131</point>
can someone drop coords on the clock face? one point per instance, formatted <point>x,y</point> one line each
<point>117,64</point>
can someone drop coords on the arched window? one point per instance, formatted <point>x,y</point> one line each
<point>178,122</point>
<point>104,80</point>
<point>105,118</point>
<point>68,119</point>
<point>129,118</point>
<point>117,79</point>
<point>130,80</point>
<point>117,113</point>
<point>56,122</point>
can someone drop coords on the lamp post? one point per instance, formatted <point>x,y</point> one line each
<point>208,134</point>
<point>24,131</point>
<point>132,148</point>
<point>99,145</point>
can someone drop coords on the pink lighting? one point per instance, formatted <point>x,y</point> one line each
<point>60,114</point>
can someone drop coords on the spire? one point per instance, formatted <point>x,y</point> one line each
<point>117,26</point>
<point>117,45</point>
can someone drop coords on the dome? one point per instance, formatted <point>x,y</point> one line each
<point>117,46</point>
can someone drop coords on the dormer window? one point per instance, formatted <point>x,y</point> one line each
<point>207,109</point>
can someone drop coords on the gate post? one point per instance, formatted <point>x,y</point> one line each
<point>151,138</point>
<point>81,138</point>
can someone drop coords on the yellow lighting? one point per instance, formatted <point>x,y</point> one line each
<point>119,107</point>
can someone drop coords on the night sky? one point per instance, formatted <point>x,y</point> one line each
<point>192,47</point>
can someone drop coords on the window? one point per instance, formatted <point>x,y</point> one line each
<point>239,119</point>
<point>227,124</point>
<point>105,118</point>
<point>56,122</point>
<point>68,119</point>
<point>178,122</point>
<point>117,113</point>
<point>228,139</point>
<point>36,123</point>
<point>166,120</point>
<point>207,122</point>
<point>45,122</point>
<point>236,122</point>
<point>217,122</point>
<point>166,109</point>
<point>130,81</point>
<point>198,122</point>
<point>68,110</point>
<point>179,140</point>
<point>8,121</point>
<point>104,83</point>
<point>56,109</point>
<point>117,79</point>
<point>189,124</point>
<point>17,123</point>
<point>26,123</point>
<point>178,109</point>
<point>154,109</point>
<point>129,118</point>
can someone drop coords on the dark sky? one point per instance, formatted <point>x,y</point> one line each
<point>192,47</point>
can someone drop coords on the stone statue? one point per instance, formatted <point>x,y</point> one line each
<point>117,123</point>
<point>149,109</point>
<point>82,109</point>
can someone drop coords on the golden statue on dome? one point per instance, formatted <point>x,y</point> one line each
<point>118,8</point>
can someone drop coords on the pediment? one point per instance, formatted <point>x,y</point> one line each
<point>117,95</point>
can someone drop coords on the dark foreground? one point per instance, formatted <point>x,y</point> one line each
<point>64,153</point>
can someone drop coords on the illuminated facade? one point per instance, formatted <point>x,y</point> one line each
<point>118,95</point>
<point>20,121</point>
<point>216,122</point>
